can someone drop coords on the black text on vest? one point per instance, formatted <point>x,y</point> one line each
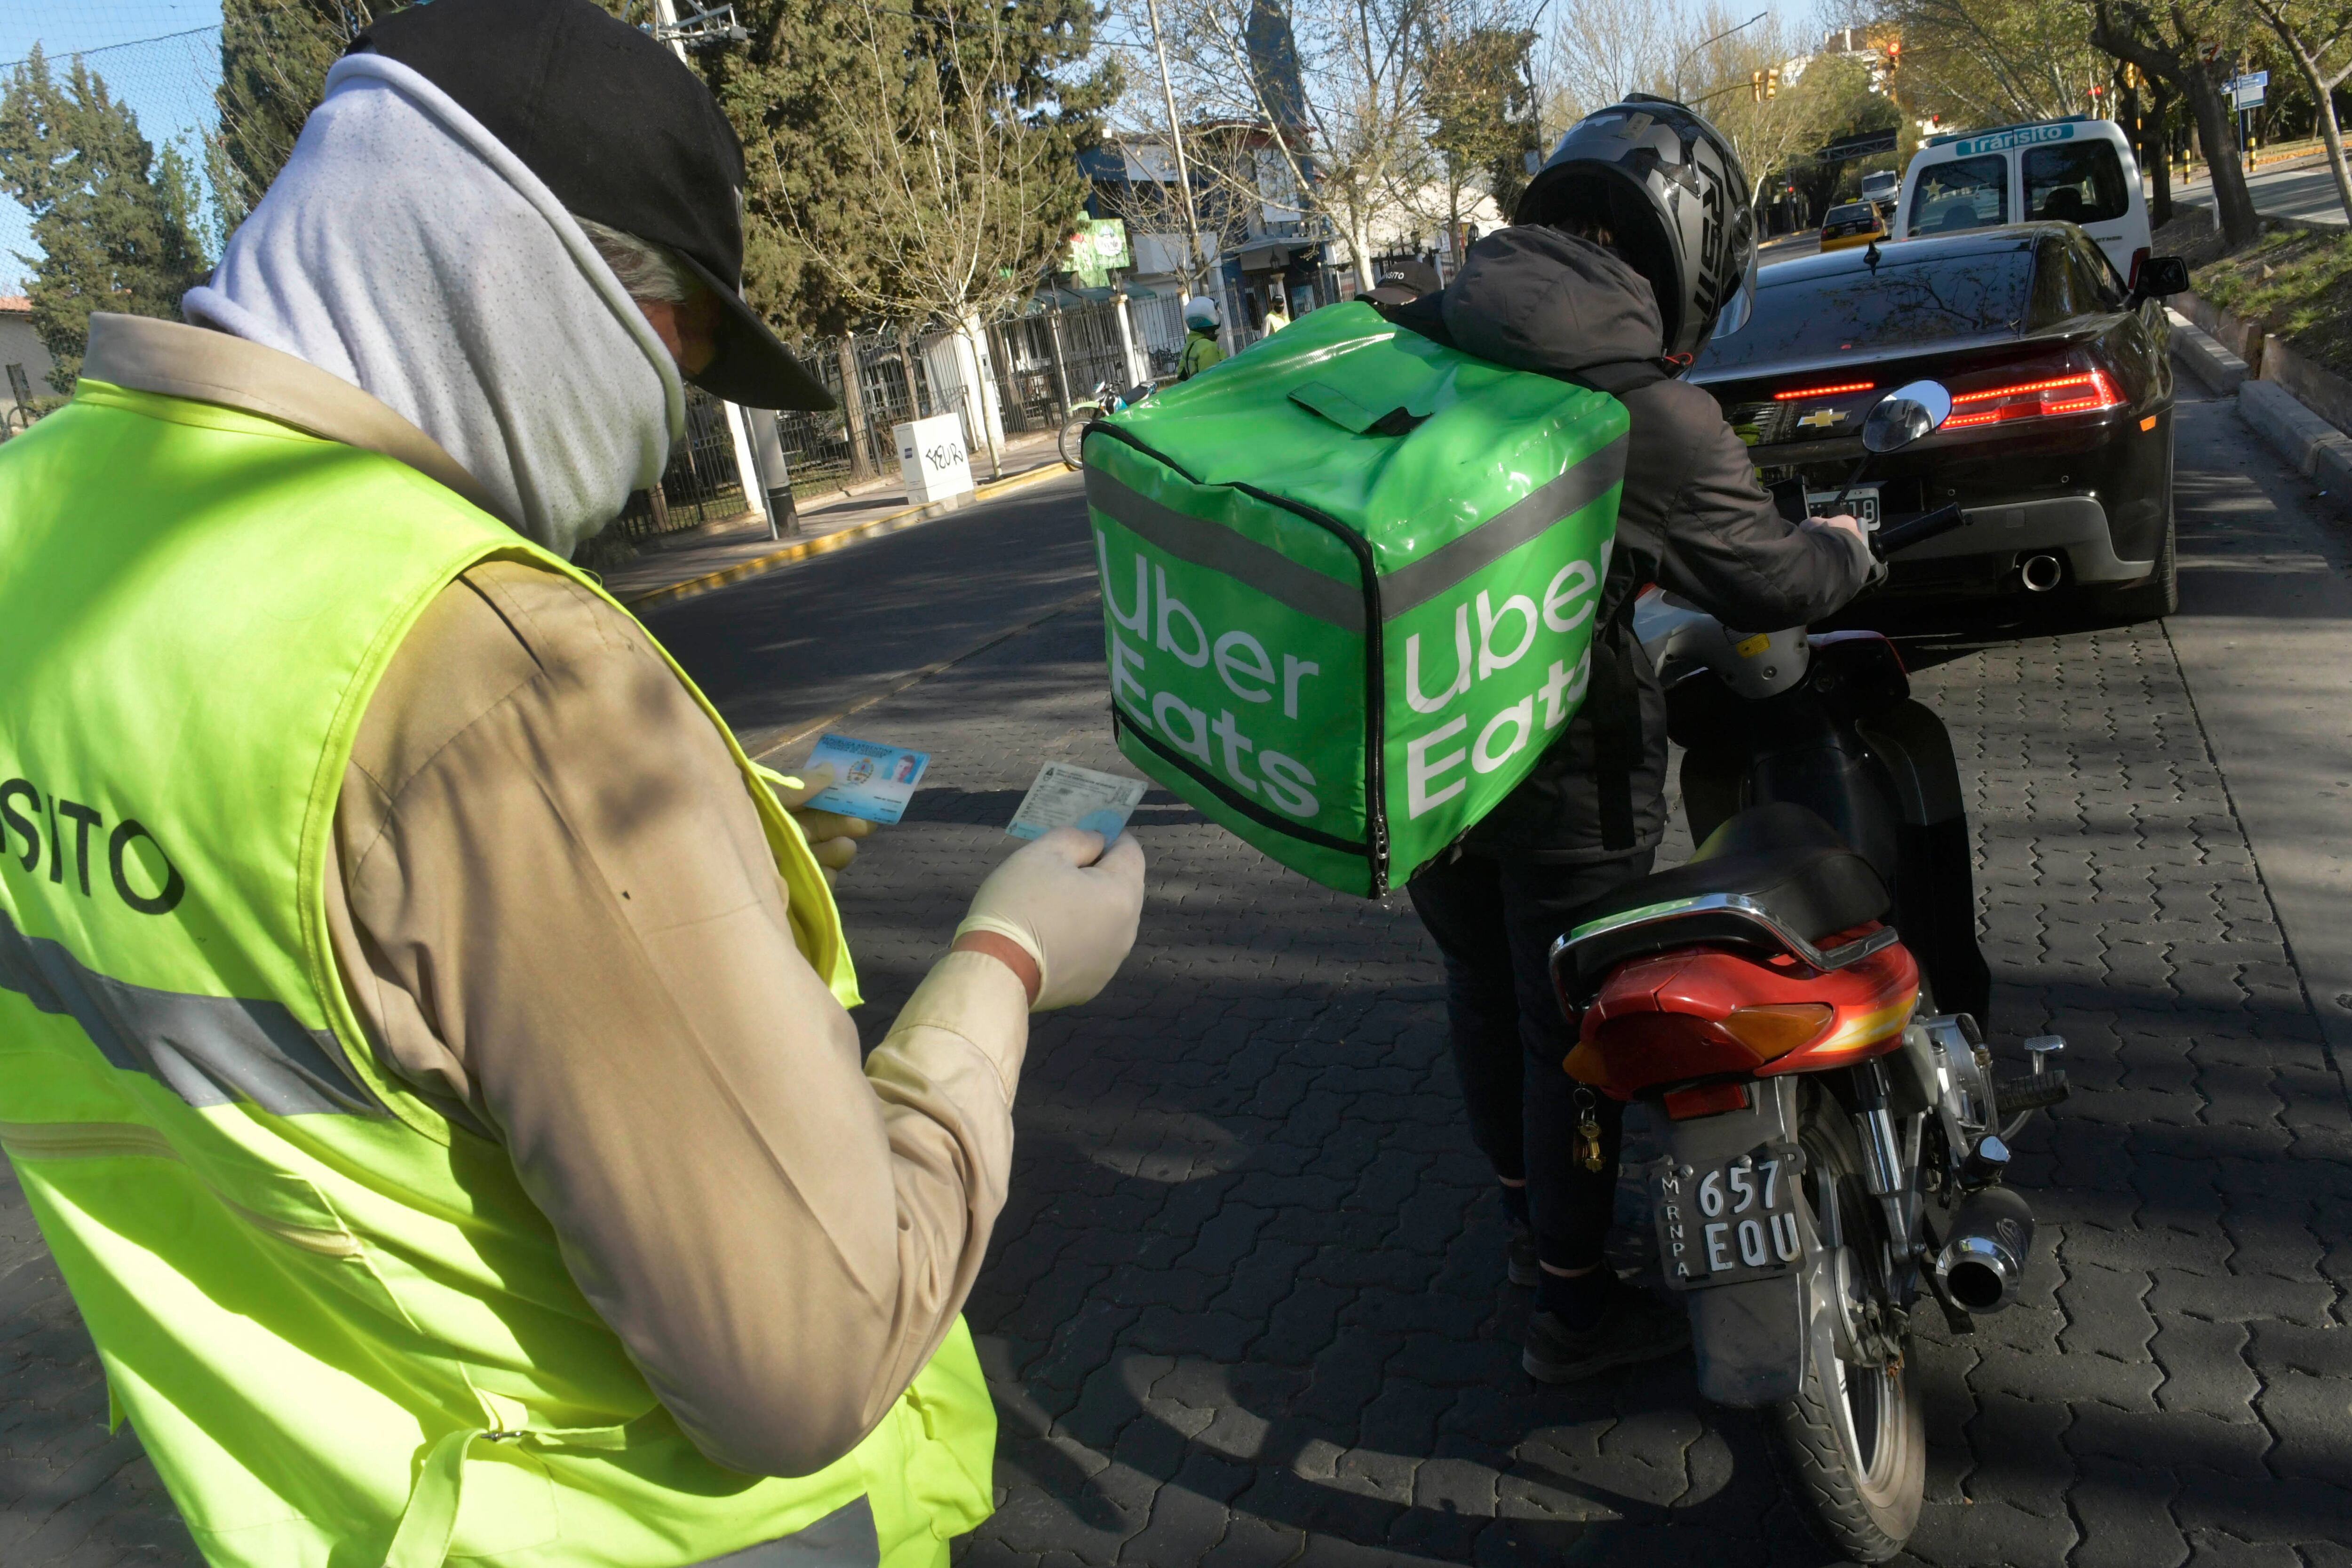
<point>69,827</point>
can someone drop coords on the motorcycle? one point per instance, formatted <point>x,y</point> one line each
<point>1799,1004</point>
<point>1103,400</point>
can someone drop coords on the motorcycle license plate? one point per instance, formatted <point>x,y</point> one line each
<point>1722,1223</point>
<point>1861,503</point>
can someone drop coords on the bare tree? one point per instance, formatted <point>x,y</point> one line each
<point>965,197</point>
<point>2312,32</point>
<point>1604,49</point>
<point>1995,61</point>
<point>1334,88</point>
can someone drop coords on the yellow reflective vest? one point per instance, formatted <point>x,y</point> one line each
<point>342,1329</point>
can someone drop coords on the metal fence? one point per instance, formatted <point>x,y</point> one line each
<point>1048,360</point>
<point>1093,350</point>
<point>1040,363</point>
<point>1160,333</point>
<point>1029,389</point>
<point>890,376</point>
<point>699,486</point>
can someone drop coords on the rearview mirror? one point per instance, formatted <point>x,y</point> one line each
<point>2161,277</point>
<point>1905,415</point>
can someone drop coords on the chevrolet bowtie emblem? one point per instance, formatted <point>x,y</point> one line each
<point>1822,418</point>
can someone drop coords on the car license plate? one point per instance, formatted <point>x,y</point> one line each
<point>1720,1224</point>
<point>1862,502</point>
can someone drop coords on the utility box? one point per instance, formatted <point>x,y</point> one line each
<point>932,459</point>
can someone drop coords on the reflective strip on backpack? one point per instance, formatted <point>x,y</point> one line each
<point>1525,519</point>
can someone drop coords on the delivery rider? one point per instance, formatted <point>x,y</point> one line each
<point>1628,248</point>
<point>423,1032</point>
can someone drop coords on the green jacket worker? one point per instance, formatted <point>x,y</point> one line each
<point>425,1040</point>
<point>1201,350</point>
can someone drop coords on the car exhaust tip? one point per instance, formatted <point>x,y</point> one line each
<point>2040,573</point>
<point>1983,1265</point>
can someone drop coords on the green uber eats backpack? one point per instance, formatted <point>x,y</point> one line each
<point>1349,580</point>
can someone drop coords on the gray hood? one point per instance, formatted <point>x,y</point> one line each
<point>1535,298</point>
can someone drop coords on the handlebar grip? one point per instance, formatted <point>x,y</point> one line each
<point>1918,530</point>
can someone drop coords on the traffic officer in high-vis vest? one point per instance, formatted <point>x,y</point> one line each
<point>421,1030</point>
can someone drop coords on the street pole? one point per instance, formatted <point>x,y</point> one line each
<point>738,422</point>
<point>1176,141</point>
<point>1704,42</point>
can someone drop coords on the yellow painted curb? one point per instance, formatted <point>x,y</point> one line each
<point>761,564</point>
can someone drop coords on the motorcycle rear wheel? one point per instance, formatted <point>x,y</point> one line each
<point>1854,1443</point>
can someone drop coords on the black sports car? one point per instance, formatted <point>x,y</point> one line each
<point>2059,446</point>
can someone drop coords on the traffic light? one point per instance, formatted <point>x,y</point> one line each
<point>1756,86</point>
<point>1772,82</point>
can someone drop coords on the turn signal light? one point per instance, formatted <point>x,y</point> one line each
<point>2086,392</point>
<point>1779,1028</point>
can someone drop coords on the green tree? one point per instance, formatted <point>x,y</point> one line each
<point>905,159</point>
<point>1479,96</point>
<point>115,221</point>
<point>275,55</point>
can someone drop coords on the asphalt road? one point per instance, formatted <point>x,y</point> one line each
<point>2303,193</point>
<point>781,652</point>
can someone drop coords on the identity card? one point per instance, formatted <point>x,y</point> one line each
<point>869,779</point>
<point>1067,795</point>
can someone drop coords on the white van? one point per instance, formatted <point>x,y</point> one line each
<point>2078,169</point>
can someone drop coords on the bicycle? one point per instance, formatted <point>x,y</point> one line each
<point>1102,401</point>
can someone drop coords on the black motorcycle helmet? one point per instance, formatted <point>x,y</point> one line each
<point>1670,194</point>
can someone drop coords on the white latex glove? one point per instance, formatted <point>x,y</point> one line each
<point>831,838</point>
<point>1068,904</point>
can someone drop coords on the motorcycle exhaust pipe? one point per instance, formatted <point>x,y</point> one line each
<point>1983,1264</point>
<point>2040,573</point>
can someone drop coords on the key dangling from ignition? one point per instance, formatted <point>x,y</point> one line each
<point>1588,1134</point>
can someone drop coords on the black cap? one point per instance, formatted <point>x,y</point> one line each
<point>625,134</point>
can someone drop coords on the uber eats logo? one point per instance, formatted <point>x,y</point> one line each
<point>1527,698</point>
<point>1268,699</point>
<point>1255,684</point>
<point>47,832</point>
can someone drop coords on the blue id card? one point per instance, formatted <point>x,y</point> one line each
<point>869,780</point>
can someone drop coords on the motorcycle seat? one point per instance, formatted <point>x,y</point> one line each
<point>1789,866</point>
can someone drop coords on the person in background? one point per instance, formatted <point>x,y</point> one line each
<point>1201,350</point>
<point>435,1083</point>
<point>1277,310</point>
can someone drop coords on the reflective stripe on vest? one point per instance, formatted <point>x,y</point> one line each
<point>335,1317</point>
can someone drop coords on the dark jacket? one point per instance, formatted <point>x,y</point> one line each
<point>1693,518</point>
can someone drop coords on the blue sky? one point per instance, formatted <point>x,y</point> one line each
<point>168,83</point>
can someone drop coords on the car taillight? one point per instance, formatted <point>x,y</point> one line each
<point>2085,391</point>
<point>2137,257</point>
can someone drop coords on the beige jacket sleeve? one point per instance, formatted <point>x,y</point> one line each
<point>556,917</point>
